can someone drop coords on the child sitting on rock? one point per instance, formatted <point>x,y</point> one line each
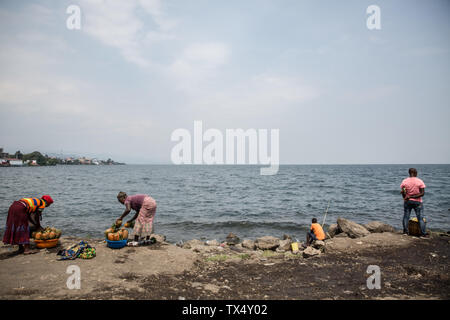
<point>315,233</point>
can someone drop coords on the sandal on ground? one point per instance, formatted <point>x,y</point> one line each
<point>133,244</point>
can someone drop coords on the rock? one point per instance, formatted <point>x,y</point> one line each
<point>192,243</point>
<point>267,243</point>
<point>158,237</point>
<point>318,244</point>
<point>286,237</point>
<point>232,239</point>
<point>236,248</point>
<point>379,227</point>
<point>180,243</point>
<point>333,230</point>
<point>284,245</point>
<point>310,252</point>
<point>341,235</point>
<point>202,248</point>
<point>352,229</point>
<point>213,243</point>
<point>249,244</point>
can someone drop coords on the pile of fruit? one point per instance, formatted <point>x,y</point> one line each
<point>115,233</point>
<point>47,234</point>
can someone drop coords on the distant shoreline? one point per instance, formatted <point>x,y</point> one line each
<point>58,165</point>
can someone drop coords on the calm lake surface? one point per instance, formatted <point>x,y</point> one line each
<point>208,202</point>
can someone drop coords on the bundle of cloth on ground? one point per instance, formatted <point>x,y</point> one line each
<point>80,250</point>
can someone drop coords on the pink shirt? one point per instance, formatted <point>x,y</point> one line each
<point>412,186</point>
<point>135,201</point>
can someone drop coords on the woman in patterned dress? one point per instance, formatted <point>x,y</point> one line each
<point>21,214</point>
<point>145,207</point>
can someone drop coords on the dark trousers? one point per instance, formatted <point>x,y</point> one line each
<point>418,209</point>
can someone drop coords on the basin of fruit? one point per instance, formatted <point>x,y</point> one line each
<point>116,238</point>
<point>48,238</point>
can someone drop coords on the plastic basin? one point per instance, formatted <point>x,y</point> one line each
<point>116,244</point>
<point>46,243</point>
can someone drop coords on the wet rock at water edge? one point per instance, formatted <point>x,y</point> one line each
<point>232,239</point>
<point>333,230</point>
<point>351,228</point>
<point>379,227</point>
<point>287,237</point>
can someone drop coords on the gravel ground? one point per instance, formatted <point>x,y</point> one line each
<point>411,268</point>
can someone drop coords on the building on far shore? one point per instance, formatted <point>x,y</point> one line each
<point>7,162</point>
<point>3,155</point>
<point>85,160</point>
<point>32,162</point>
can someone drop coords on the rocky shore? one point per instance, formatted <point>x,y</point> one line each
<point>262,268</point>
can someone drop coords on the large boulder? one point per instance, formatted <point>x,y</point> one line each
<point>333,230</point>
<point>379,227</point>
<point>232,239</point>
<point>311,252</point>
<point>351,228</point>
<point>267,243</point>
<point>249,244</point>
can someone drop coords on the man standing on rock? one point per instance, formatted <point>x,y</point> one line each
<point>412,190</point>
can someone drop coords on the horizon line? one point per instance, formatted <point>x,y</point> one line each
<point>291,164</point>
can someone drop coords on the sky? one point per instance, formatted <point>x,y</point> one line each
<point>136,70</point>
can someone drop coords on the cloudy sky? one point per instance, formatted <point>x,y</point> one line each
<point>137,70</point>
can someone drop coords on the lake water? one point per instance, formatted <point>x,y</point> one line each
<point>208,202</point>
